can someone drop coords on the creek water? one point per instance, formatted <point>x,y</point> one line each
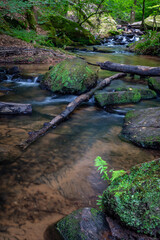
<point>56,174</point>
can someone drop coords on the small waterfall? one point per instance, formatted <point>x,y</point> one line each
<point>9,77</point>
<point>35,79</point>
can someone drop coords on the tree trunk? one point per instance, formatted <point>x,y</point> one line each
<point>133,13</point>
<point>69,109</point>
<point>143,13</point>
<point>14,108</point>
<point>139,70</point>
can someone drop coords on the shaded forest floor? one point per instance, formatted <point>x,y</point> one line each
<point>16,51</point>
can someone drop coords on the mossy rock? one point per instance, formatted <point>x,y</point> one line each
<point>69,29</point>
<point>150,22</point>
<point>119,97</point>
<point>145,93</point>
<point>83,224</point>
<point>134,198</point>
<point>142,127</point>
<point>102,25</point>
<point>70,76</point>
<point>154,83</point>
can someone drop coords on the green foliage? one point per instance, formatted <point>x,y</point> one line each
<point>102,167</point>
<point>134,198</point>
<point>149,44</point>
<point>31,37</point>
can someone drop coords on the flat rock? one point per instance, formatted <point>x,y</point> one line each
<point>15,108</point>
<point>142,127</point>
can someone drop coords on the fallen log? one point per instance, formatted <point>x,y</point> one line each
<point>15,108</point>
<point>139,70</point>
<point>33,136</point>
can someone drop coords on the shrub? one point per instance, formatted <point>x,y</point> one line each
<point>149,44</point>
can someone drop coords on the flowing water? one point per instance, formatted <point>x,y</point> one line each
<point>56,174</point>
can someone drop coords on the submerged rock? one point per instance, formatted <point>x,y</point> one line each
<point>134,198</point>
<point>142,127</point>
<point>119,97</point>
<point>154,83</point>
<point>86,223</point>
<point>70,76</point>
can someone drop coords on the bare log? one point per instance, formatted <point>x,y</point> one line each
<point>15,108</point>
<point>33,136</point>
<point>139,70</point>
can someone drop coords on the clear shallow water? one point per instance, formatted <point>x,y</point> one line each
<point>56,175</point>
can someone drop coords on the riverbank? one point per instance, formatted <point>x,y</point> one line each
<point>17,51</point>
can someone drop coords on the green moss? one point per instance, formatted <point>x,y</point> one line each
<point>145,93</point>
<point>31,19</point>
<point>134,198</point>
<point>110,98</point>
<point>69,227</point>
<point>70,76</point>
<point>154,83</point>
<point>67,28</point>
<point>130,115</point>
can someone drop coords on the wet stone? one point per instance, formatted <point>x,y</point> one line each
<point>86,223</point>
<point>142,127</point>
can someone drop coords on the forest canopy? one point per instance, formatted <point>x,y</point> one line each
<point>120,10</point>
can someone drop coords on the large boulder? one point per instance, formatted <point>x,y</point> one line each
<point>134,198</point>
<point>154,83</point>
<point>61,28</point>
<point>142,127</point>
<point>119,97</point>
<point>86,223</point>
<point>70,76</point>
<point>151,23</point>
<point>102,25</point>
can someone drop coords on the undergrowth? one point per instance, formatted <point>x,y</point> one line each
<point>102,167</point>
<point>31,37</point>
<point>149,44</point>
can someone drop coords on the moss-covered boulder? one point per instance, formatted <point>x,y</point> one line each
<point>67,29</point>
<point>102,25</point>
<point>134,198</point>
<point>83,224</point>
<point>70,76</point>
<point>150,22</point>
<point>119,97</point>
<point>154,83</point>
<point>142,127</point>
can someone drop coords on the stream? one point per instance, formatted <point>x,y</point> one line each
<point>56,175</point>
